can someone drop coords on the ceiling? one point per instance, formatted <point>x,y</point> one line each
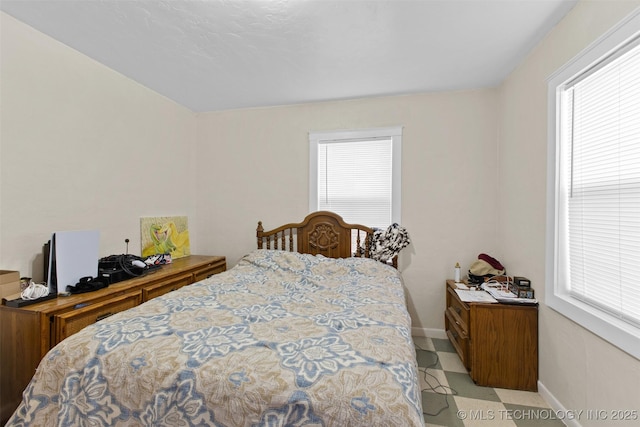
<point>211,55</point>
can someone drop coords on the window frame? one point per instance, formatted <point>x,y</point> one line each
<point>618,332</point>
<point>346,135</point>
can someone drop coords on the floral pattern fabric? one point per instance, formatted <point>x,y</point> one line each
<point>280,339</point>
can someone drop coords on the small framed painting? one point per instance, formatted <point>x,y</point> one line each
<point>165,235</point>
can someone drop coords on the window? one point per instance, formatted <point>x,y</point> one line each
<point>594,193</point>
<point>356,174</point>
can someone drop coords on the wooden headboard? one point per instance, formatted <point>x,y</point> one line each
<point>321,232</point>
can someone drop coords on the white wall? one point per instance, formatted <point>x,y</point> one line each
<point>254,165</point>
<point>579,369</point>
<point>83,147</point>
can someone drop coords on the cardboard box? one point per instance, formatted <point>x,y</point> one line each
<point>9,283</point>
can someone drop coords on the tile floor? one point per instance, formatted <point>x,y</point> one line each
<point>451,399</point>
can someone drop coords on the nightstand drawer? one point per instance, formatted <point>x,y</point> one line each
<point>458,337</point>
<point>67,324</point>
<point>459,310</point>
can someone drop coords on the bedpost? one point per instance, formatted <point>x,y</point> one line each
<point>259,232</point>
<point>367,245</point>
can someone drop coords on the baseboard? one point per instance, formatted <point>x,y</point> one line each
<point>428,333</point>
<point>568,417</point>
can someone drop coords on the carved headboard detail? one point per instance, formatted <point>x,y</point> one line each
<point>324,237</point>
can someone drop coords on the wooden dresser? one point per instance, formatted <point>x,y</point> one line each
<point>497,343</point>
<point>28,333</point>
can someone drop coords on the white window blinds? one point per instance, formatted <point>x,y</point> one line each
<point>354,180</point>
<point>356,174</point>
<point>600,113</point>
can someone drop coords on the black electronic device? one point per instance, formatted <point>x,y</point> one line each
<point>87,284</point>
<point>521,288</point>
<point>116,268</point>
<point>521,292</point>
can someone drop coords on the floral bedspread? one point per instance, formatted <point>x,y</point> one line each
<point>280,339</point>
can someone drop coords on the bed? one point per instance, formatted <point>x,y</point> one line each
<point>300,335</point>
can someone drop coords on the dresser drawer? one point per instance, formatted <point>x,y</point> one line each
<point>67,324</point>
<point>209,270</point>
<point>161,288</point>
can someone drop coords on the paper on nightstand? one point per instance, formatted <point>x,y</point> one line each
<point>475,296</point>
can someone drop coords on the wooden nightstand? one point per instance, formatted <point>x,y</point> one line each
<point>28,333</point>
<point>497,343</point>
